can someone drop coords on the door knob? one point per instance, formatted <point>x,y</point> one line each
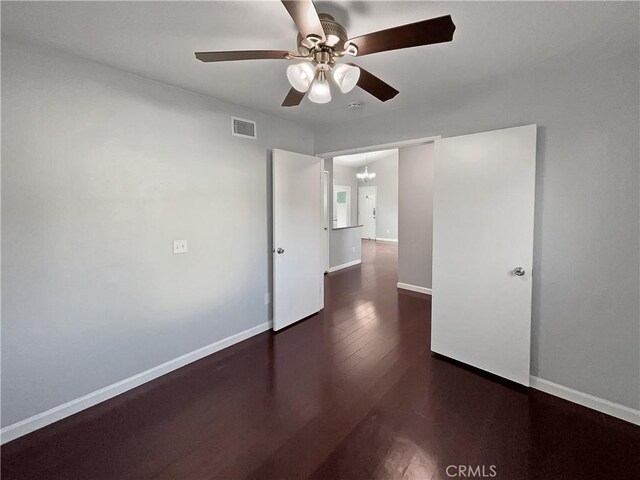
<point>519,272</point>
<point>280,250</point>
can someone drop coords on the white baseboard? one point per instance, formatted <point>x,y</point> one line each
<point>54,414</point>
<point>344,265</point>
<point>414,288</point>
<point>586,400</point>
<point>378,239</point>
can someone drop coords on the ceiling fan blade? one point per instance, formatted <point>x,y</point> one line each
<point>305,16</point>
<point>243,55</point>
<point>426,32</point>
<point>376,87</point>
<point>293,98</point>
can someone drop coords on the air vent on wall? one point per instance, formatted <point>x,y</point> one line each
<point>243,128</point>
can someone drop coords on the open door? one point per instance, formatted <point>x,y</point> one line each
<point>483,205</point>
<point>298,278</point>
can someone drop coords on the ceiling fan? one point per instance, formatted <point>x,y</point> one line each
<point>322,42</point>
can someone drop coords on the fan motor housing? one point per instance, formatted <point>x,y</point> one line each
<point>335,34</point>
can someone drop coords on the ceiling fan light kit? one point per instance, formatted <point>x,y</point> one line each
<point>322,42</point>
<point>346,76</point>
<point>320,91</point>
<point>304,76</point>
<point>300,76</point>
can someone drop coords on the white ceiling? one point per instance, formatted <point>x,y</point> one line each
<point>157,40</point>
<point>361,159</point>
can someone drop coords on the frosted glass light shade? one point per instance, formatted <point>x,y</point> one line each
<point>346,76</point>
<point>300,76</point>
<point>320,91</point>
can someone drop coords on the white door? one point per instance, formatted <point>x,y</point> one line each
<point>482,250</point>
<point>341,206</point>
<point>367,211</point>
<point>297,237</point>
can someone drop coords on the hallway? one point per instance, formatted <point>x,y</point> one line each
<point>350,393</point>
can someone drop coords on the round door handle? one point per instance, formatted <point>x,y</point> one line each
<point>519,272</point>
<point>280,250</point>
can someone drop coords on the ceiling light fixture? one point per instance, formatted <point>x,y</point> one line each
<point>320,91</point>
<point>346,76</point>
<point>301,77</point>
<point>323,42</point>
<point>366,176</point>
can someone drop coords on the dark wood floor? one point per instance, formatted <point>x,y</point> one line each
<point>350,393</point>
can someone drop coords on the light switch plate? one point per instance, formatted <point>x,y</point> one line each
<point>267,298</point>
<point>180,246</point>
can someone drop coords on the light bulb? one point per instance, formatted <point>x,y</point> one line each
<point>300,76</point>
<point>346,76</point>
<point>320,91</point>
<point>332,40</point>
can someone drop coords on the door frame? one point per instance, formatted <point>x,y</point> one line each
<point>382,146</point>
<point>327,224</point>
<point>375,219</point>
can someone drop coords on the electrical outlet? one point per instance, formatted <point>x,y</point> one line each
<point>267,298</point>
<point>387,230</point>
<point>180,246</point>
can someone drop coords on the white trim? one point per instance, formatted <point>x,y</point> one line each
<point>54,414</point>
<point>600,404</point>
<point>414,288</point>
<point>384,146</point>
<point>344,265</point>
<point>380,239</point>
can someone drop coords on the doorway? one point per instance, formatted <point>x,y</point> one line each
<point>481,226</point>
<point>367,211</point>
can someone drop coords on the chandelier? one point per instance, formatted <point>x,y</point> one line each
<point>366,176</point>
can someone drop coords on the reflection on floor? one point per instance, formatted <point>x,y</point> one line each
<point>350,393</point>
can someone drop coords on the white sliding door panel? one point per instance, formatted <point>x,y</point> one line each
<point>482,233</point>
<point>297,237</point>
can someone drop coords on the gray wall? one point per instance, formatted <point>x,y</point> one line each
<point>415,215</point>
<point>585,325</point>
<point>101,171</point>
<point>345,246</point>
<point>346,176</point>
<point>386,169</point>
